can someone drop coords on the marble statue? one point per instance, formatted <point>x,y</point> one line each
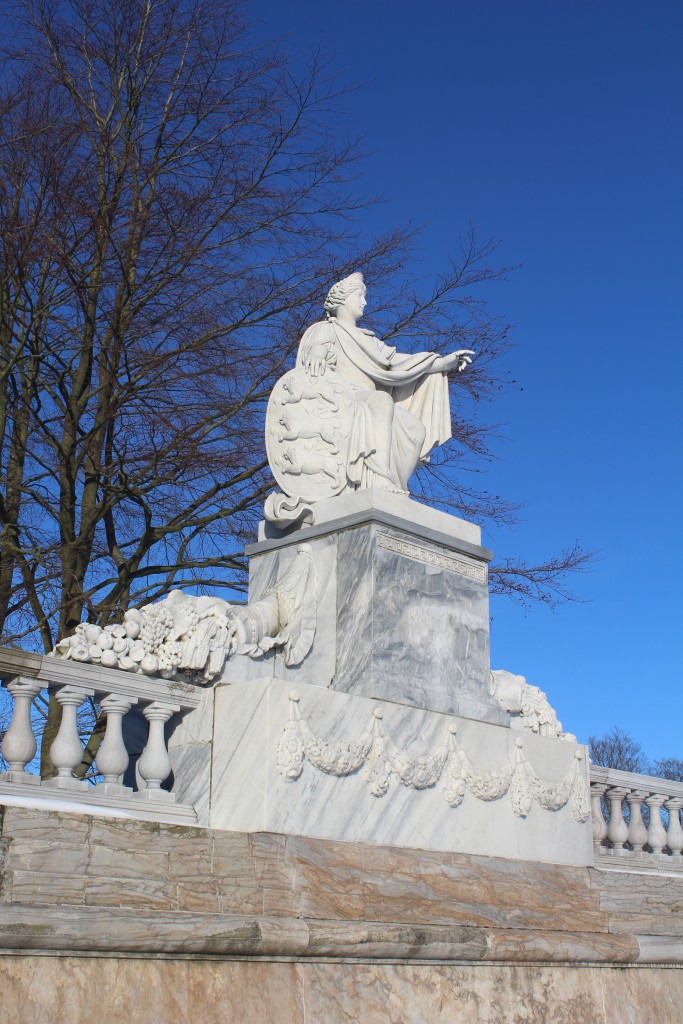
<point>354,413</point>
<point>191,637</point>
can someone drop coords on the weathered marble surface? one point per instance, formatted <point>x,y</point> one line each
<point>494,995</point>
<point>69,860</point>
<point>189,748</point>
<point>250,718</point>
<point>43,990</point>
<point>403,609</point>
<point>75,990</point>
<point>412,631</point>
<point>645,905</point>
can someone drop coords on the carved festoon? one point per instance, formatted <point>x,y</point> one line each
<point>382,760</point>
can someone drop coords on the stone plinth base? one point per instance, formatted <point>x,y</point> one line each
<point>402,604</point>
<point>139,923</point>
<point>311,766</point>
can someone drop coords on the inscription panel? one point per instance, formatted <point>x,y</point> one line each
<point>429,556</point>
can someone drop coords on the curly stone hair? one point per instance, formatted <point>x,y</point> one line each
<point>341,291</point>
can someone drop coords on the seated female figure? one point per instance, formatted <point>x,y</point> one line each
<point>402,401</point>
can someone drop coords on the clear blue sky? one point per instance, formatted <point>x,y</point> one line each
<point>555,127</point>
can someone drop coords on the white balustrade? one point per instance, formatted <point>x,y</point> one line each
<point>637,831</point>
<point>72,683</point>
<point>656,833</point>
<point>674,833</point>
<point>617,829</point>
<point>19,744</point>
<point>66,752</point>
<point>154,765</point>
<point>633,839</point>
<point>599,824</point>
<point>112,756</point>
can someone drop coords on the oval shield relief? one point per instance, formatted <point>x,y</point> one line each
<point>308,428</point>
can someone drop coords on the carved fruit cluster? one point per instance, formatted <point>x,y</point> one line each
<point>159,639</point>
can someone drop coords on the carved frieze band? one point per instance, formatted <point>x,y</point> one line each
<point>419,553</point>
<point>382,759</point>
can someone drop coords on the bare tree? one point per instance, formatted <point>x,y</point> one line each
<point>616,749</point>
<point>668,768</point>
<point>173,204</point>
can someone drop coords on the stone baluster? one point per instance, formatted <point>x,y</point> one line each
<point>66,751</point>
<point>599,823</point>
<point>656,834</point>
<point>112,756</point>
<point>674,833</point>
<point>617,829</point>
<point>637,832</point>
<point>154,765</point>
<point>19,743</point>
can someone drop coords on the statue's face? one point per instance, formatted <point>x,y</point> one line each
<point>355,303</point>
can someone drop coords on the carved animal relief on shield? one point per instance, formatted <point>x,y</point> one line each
<point>308,426</point>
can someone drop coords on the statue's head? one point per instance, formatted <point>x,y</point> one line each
<point>340,292</point>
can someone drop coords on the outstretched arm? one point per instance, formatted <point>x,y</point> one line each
<point>457,361</point>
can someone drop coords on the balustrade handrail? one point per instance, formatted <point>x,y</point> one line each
<point>634,781</point>
<point>26,673</point>
<point>643,821</point>
<point>49,670</point>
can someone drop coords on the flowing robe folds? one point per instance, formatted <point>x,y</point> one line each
<point>421,414</point>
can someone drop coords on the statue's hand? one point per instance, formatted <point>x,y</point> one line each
<point>315,368</point>
<point>317,360</point>
<point>236,633</point>
<point>457,361</point>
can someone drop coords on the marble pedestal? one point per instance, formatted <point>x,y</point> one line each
<point>386,732</point>
<point>403,612</point>
<point>253,790</point>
